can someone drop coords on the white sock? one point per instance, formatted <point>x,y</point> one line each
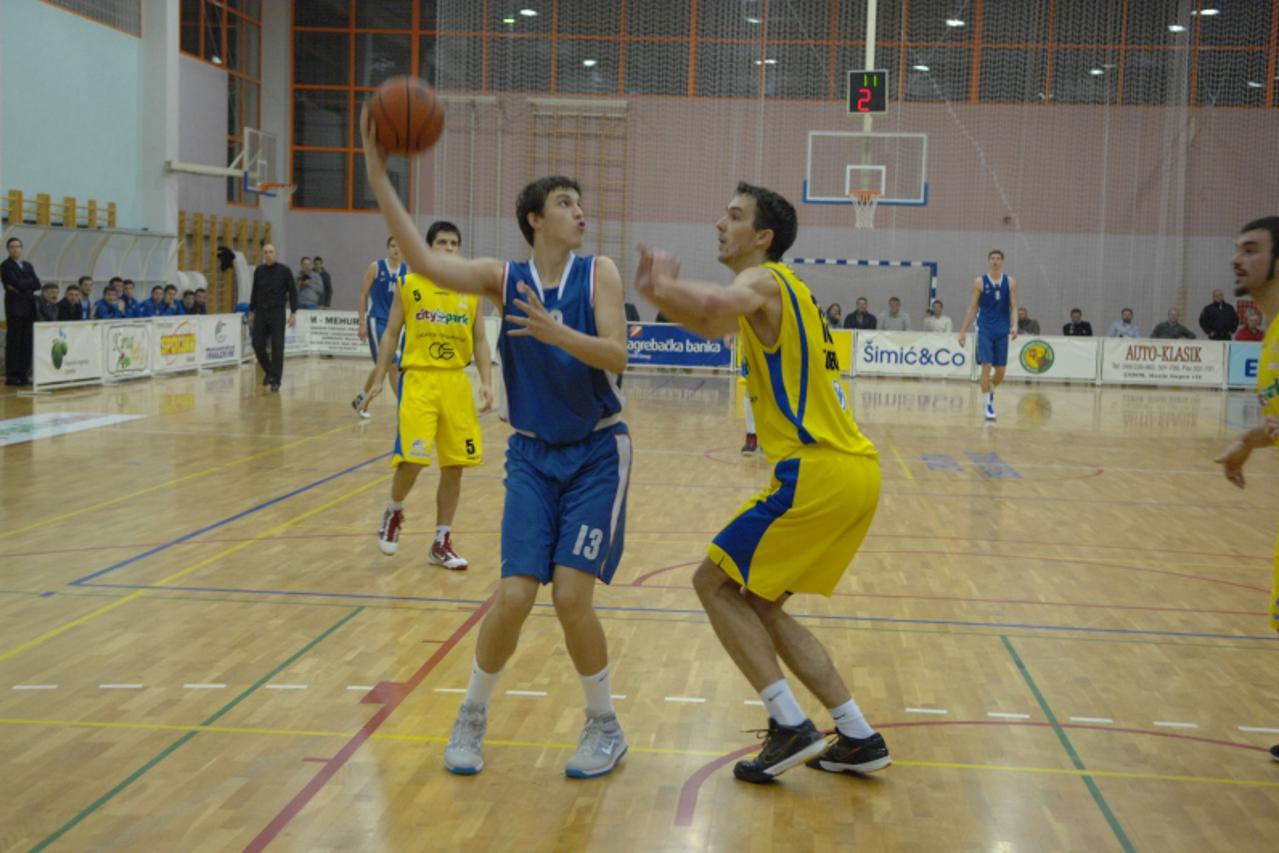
<point>441,531</point>
<point>850,720</point>
<point>781,703</point>
<point>395,506</point>
<point>480,688</point>
<point>750,415</point>
<point>599,697</point>
<point>989,396</point>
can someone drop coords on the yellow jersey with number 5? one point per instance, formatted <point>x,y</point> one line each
<point>439,324</point>
<point>794,385</point>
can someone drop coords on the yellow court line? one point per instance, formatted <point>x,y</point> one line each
<point>122,498</point>
<point>225,552</point>
<point>692,753</point>
<point>901,460</point>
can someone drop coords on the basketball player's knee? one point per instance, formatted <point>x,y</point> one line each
<point>571,600</point>
<point>514,601</point>
<point>708,579</point>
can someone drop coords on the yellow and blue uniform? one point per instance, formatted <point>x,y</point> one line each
<point>436,405</point>
<point>1268,397</point>
<point>800,534</point>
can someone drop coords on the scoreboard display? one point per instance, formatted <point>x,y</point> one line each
<point>868,92</point>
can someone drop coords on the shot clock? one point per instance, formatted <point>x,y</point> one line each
<point>868,92</point>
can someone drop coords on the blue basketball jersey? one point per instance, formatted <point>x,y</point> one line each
<point>994,314</point>
<point>550,394</point>
<point>382,293</point>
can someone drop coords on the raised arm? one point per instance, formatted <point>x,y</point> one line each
<point>482,277</point>
<point>709,310</point>
<point>606,349</point>
<point>971,313</point>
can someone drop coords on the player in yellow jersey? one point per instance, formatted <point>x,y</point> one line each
<point>800,534</point>
<point>1255,277</point>
<point>436,410</point>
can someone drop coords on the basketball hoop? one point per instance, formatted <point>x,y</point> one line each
<point>864,203</point>
<point>270,188</point>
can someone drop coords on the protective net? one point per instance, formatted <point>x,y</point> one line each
<point>1110,149</point>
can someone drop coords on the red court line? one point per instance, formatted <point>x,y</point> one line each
<point>687,804</point>
<point>391,695</point>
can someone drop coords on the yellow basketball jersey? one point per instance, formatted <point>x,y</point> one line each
<point>794,385</point>
<point>439,324</point>
<point>1268,372</point>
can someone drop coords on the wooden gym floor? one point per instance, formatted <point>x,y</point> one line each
<point>1058,622</point>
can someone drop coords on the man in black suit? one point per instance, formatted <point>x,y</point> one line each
<point>21,289</point>
<point>69,307</point>
<point>860,317</point>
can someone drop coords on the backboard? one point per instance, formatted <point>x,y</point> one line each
<point>260,162</point>
<point>840,162</point>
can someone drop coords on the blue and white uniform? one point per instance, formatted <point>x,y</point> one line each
<point>381,298</point>
<point>568,462</point>
<point>994,321</point>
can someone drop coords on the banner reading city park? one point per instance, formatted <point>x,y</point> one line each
<point>1053,358</point>
<point>667,345</point>
<point>1134,361</point>
<point>173,342</point>
<point>913,354</point>
<point>67,353</point>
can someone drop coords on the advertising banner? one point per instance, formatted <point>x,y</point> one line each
<point>336,333</point>
<point>174,344</point>
<point>126,348</point>
<point>1052,358</point>
<point>667,345</point>
<point>219,339</point>
<point>1154,362</point>
<point>913,354</point>
<point>66,352</point>
<point>1244,357</point>
<point>296,341</point>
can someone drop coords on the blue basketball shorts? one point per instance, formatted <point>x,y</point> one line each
<point>377,328</point>
<point>992,349</point>
<point>565,504</point>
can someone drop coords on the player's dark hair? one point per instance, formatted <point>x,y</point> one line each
<point>11,241</point>
<point>994,252</point>
<point>172,287</point>
<point>157,287</point>
<point>82,279</point>
<point>442,227</point>
<point>1271,224</point>
<point>1076,311</point>
<point>532,199</point>
<point>772,213</point>
<point>894,299</point>
<point>115,279</point>
<point>1129,310</point>
<point>71,287</point>
<point>938,302</point>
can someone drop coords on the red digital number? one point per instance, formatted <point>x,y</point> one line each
<point>863,101</point>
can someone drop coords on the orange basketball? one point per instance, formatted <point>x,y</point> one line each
<point>408,116</point>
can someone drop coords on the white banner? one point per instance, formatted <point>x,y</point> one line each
<point>1053,358</point>
<point>219,339</point>
<point>173,343</point>
<point>126,348</point>
<point>913,354</point>
<point>66,352</point>
<point>336,333</point>
<point>1134,361</point>
<point>296,337</point>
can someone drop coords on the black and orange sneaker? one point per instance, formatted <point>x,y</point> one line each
<point>784,748</point>
<point>854,755</point>
<point>751,447</point>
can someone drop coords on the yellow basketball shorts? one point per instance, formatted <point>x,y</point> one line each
<point>800,534</point>
<point>437,419</point>
<point>1274,591</point>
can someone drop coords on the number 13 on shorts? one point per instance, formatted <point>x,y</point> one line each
<point>588,542</point>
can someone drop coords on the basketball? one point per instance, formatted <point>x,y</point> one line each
<point>408,116</point>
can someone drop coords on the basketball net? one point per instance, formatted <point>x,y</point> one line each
<point>864,203</point>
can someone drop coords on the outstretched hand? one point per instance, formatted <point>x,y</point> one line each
<point>374,156</point>
<point>538,323</point>
<point>654,266</point>
<point>369,395</point>
<point>1233,460</point>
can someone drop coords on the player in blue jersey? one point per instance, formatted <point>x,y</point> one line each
<point>377,295</point>
<point>563,348</point>
<point>994,304</point>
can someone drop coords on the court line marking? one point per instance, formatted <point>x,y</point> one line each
<point>186,537</point>
<point>524,692</point>
<point>362,687</point>
<point>35,687</point>
<point>926,711</point>
<point>286,687</point>
<point>131,495</point>
<point>692,699</point>
<point>753,702</point>
<point>447,689</point>
<point>1088,780</point>
<point>195,686</point>
<point>1007,715</point>
<point>390,703</point>
<point>1102,720</point>
<point>120,686</point>
<point>191,734</point>
<point>1259,729</point>
<point>824,617</point>
<point>617,696</point>
<point>1174,725</point>
<point>901,461</point>
<point>685,753</point>
<point>164,582</point>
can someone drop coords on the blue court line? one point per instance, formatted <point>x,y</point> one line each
<point>895,620</point>
<point>215,525</point>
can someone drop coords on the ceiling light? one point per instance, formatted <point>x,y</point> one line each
<point>1176,28</point>
<point>1096,72</point>
<point>215,59</point>
<point>750,20</point>
<point>508,20</point>
<point>529,13</point>
<point>919,68</point>
<point>766,62</point>
<point>954,22</point>
<point>1208,13</point>
<point>589,63</point>
<point>1109,65</point>
<point>1253,84</point>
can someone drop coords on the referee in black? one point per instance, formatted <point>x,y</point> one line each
<point>273,289</point>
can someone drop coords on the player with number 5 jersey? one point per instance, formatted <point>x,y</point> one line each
<point>563,348</point>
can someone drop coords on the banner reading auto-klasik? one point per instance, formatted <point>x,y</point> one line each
<point>667,345</point>
<point>1136,361</point>
<point>913,354</point>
